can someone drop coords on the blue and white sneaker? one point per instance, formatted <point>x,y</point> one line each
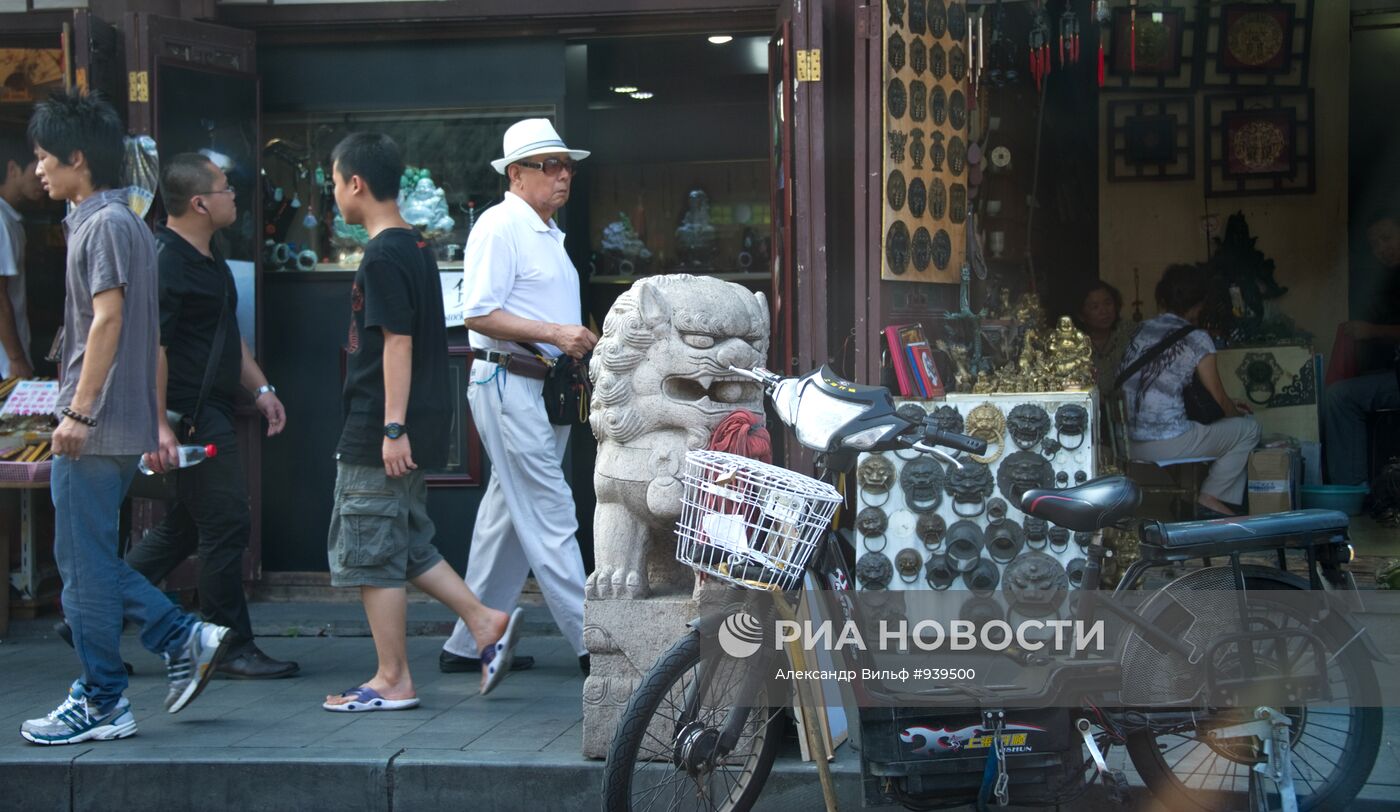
<point>76,720</point>
<point>190,668</point>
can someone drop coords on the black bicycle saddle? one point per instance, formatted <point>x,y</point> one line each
<point>1091,506</point>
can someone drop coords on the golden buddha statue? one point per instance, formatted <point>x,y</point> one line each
<point>1069,357</point>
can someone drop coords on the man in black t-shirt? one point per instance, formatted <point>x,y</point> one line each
<point>210,515</point>
<point>1348,402</point>
<point>396,419</point>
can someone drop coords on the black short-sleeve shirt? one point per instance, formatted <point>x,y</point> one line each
<point>193,289</point>
<point>397,288</point>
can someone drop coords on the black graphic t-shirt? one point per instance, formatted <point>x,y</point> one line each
<point>397,288</point>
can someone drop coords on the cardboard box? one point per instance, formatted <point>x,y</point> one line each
<point>1274,474</point>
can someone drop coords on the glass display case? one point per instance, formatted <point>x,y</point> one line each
<point>448,182</point>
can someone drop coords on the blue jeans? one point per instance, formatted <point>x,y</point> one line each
<point>99,589</point>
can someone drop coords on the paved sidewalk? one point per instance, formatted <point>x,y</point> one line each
<point>269,746</point>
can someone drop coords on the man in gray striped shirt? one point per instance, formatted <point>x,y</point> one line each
<point>107,419</point>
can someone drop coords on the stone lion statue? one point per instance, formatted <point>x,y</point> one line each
<point>661,383</point>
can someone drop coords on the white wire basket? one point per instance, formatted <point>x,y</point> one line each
<point>751,524</point>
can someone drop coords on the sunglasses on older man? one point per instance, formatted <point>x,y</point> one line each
<point>552,166</point>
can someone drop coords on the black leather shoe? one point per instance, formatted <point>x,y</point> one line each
<point>251,663</point>
<point>449,663</point>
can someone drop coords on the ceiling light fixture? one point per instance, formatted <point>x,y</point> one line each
<point>642,94</point>
<point>625,88</point>
<point>720,39</point>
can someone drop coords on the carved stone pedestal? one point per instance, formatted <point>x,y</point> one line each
<point>624,638</point>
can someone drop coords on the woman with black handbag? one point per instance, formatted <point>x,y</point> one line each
<point>1177,406</point>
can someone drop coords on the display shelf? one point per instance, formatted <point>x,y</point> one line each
<point>618,279</point>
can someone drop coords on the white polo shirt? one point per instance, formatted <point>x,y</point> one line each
<point>11,259</point>
<point>516,262</point>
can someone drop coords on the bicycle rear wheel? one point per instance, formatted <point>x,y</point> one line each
<point>1333,747</point>
<point>663,753</point>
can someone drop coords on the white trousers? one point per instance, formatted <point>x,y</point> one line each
<point>526,521</point>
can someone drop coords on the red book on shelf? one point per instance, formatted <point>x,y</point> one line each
<point>926,369</point>
<point>920,387</point>
<point>899,358</point>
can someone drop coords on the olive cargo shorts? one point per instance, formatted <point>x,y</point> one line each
<point>380,533</point>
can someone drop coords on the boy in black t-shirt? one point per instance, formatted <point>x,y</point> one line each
<point>396,405</point>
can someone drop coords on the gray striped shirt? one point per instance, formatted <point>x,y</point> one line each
<point>110,247</point>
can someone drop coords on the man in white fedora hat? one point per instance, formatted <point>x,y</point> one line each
<point>520,288</point>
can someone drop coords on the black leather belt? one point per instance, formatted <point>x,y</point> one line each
<point>515,363</point>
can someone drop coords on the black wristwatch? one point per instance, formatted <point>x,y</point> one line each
<point>395,430</point>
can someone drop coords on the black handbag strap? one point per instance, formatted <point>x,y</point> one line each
<point>212,366</point>
<point>1156,350</point>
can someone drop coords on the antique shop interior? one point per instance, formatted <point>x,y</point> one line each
<point>914,186</point>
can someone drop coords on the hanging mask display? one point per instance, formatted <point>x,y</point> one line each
<point>875,474</point>
<point>896,8</point>
<point>930,529</point>
<point>1062,479</point>
<point>957,197</point>
<point>911,412</point>
<point>897,247</point>
<point>1005,539</point>
<point>937,192</point>
<point>986,422</point>
<point>1083,539</point>
<point>897,139</point>
<point>874,571</point>
<point>942,248</point>
<point>957,156</point>
<point>918,56</point>
<point>982,579</point>
<point>894,49</point>
<point>1059,539</point>
<point>907,563</point>
<point>957,20</point>
<point>918,195</point>
<point>938,572</point>
<point>1080,477</point>
<point>957,109</point>
<point>938,61</point>
<point>1037,529</point>
<point>1049,447</point>
<point>965,543</point>
<point>1075,570</point>
<point>916,17</point>
<point>938,113</point>
<point>918,101</point>
<point>996,508</point>
<point>1035,584</point>
<point>937,18</point>
<point>969,486</point>
<point>896,98</point>
<point>946,418</point>
<point>922,250</point>
<point>1072,421</point>
<point>872,523</point>
<point>895,190</point>
<point>1021,472</point>
<point>957,63</point>
<point>1028,424</point>
<point>922,482</point>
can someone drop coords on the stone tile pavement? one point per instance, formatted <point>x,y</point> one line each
<point>269,745</point>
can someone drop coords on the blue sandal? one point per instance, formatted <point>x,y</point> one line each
<point>498,656</point>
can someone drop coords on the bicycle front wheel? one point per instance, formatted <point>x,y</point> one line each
<point>665,753</point>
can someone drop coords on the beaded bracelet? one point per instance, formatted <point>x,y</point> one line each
<point>90,422</point>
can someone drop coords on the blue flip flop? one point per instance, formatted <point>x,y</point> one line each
<point>367,699</point>
<point>498,656</point>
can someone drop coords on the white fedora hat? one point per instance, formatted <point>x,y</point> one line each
<point>532,136</point>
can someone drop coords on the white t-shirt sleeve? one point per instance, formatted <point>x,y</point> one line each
<point>9,262</point>
<point>488,270</point>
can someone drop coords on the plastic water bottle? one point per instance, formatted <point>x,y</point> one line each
<point>189,455</point>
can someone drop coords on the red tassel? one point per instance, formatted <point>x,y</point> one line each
<point>1100,64</point>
